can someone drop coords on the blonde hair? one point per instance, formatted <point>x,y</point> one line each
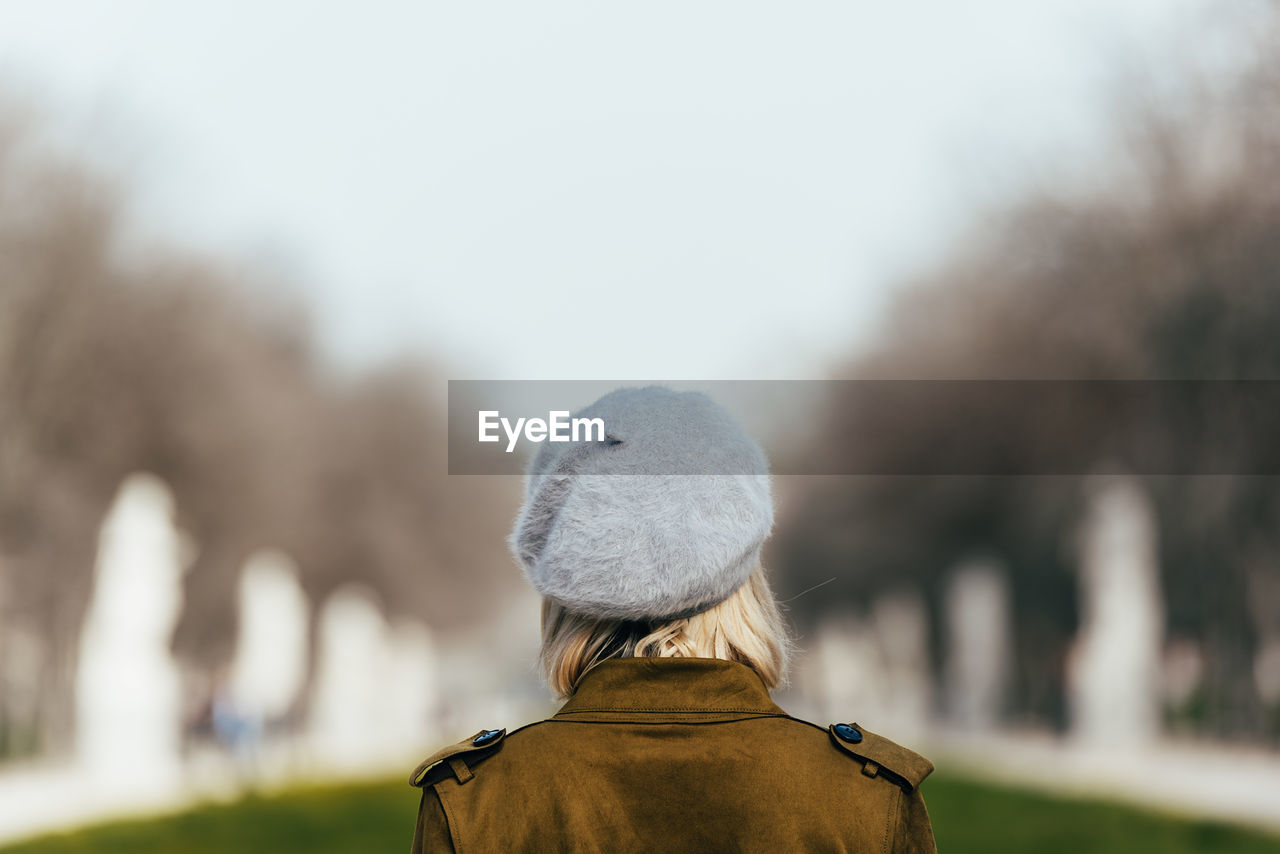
<point>747,628</point>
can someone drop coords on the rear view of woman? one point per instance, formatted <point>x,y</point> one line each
<point>661,633</point>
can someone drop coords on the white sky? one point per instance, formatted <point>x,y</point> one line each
<point>582,190</point>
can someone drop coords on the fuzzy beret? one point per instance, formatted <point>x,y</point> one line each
<point>663,518</point>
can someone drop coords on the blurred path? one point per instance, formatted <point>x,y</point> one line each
<point>40,798</point>
<point>1199,780</point>
<point>1204,780</point>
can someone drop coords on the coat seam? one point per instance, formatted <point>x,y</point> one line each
<point>658,709</point>
<point>451,821</point>
<point>892,822</point>
<point>657,720</point>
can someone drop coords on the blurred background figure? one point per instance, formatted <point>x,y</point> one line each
<point>238,730</point>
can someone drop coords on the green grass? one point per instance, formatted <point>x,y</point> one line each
<point>967,817</point>
<point>977,817</point>
<point>363,818</point>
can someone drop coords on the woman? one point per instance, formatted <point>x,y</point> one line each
<point>661,632</point>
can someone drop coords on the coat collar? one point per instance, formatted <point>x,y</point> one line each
<point>672,687</point>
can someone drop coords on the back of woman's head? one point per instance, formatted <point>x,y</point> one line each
<point>645,539</point>
<point>747,628</point>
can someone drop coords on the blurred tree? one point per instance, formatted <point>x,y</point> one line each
<point>116,359</point>
<point>1167,270</point>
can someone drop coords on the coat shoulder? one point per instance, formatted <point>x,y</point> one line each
<point>879,756</point>
<point>457,760</point>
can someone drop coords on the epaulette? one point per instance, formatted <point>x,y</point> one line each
<point>457,759</point>
<point>881,757</point>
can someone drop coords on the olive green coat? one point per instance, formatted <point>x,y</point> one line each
<point>672,755</point>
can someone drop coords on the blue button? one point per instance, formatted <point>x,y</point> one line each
<point>848,733</point>
<point>490,734</point>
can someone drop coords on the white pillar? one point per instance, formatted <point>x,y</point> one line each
<point>128,689</point>
<point>270,663</point>
<point>901,628</point>
<point>352,687</point>
<point>979,644</point>
<point>412,700</point>
<point>1115,664</point>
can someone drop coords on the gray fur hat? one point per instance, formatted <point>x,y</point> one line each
<point>664,518</point>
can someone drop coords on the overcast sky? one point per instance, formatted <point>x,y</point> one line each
<point>592,190</point>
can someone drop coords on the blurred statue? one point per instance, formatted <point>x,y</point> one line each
<point>843,668</point>
<point>874,667</point>
<point>901,625</point>
<point>270,663</point>
<point>373,691</point>
<point>978,650</point>
<point>412,702</point>
<point>346,694</point>
<point>1113,674</point>
<point>128,700</point>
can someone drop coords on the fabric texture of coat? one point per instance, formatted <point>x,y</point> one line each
<point>673,755</point>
